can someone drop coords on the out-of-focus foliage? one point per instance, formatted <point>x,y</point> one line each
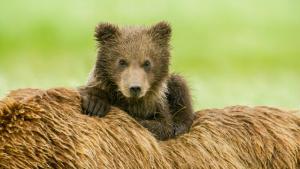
<point>231,51</point>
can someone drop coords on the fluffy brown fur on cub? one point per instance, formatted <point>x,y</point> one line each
<point>132,73</point>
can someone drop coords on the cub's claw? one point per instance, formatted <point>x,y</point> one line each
<point>180,129</point>
<point>94,106</point>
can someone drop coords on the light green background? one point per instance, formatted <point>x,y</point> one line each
<point>244,52</point>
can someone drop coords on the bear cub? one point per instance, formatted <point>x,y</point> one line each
<point>132,73</point>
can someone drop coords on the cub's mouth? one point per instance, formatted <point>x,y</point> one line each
<point>134,91</point>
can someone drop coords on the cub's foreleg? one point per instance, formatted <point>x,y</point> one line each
<point>180,105</point>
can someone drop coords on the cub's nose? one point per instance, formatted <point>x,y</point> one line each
<point>135,91</point>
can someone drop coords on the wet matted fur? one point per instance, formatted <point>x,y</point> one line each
<point>45,129</point>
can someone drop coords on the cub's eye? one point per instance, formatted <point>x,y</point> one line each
<point>147,64</point>
<point>123,63</point>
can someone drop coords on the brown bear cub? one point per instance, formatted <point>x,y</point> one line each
<point>132,73</point>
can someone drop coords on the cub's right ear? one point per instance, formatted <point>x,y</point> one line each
<point>105,32</point>
<point>161,32</point>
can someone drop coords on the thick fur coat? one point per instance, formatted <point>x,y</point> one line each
<point>46,129</point>
<point>132,73</point>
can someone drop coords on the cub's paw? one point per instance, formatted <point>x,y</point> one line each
<point>94,106</point>
<point>180,129</point>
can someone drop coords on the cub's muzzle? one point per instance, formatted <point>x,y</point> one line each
<point>135,91</point>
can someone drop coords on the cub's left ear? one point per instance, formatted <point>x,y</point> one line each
<point>106,32</point>
<point>161,32</point>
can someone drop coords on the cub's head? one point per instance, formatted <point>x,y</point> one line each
<point>135,59</point>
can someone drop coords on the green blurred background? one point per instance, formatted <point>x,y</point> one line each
<point>232,52</point>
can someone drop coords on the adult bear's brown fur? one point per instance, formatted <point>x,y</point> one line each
<point>132,73</point>
<point>45,129</point>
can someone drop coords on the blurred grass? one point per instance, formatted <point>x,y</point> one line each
<point>231,51</point>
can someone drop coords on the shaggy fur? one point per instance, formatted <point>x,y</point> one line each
<point>132,73</point>
<point>45,129</point>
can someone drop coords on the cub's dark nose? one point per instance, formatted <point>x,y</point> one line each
<point>135,91</point>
